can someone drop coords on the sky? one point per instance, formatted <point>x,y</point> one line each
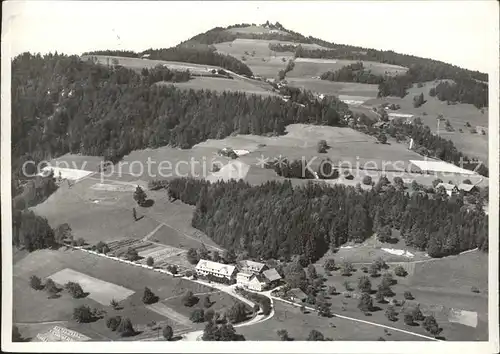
<point>458,32</point>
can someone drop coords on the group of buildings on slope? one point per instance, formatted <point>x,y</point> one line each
<point>247,274</point>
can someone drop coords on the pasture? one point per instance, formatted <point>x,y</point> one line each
<point>473,145</point>
<point>256,54</point>
<point>100,291</point>
<point>72,265</point>
<point>93,213</point>
<point>220,302</point>
<point>99,208</point>
<point>300,324</point>
<point>441,287</point>
<point>332,88</point>
<point>139,64</point>
<point>222,85</point>
<point>313,67</point>
<point>348,147</point>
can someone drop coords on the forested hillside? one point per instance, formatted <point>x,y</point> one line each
<point>275,220</point>
<point>61,104</point>
<point>467,88</point>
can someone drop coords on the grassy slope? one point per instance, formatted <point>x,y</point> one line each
<point>475,145</point>
<point>446,282</point>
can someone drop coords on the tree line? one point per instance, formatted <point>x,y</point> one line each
<point>62,104</point>
<point>466,87</point>
<point>183,53</point>
<point>200,55</point>
<point>353,73</point>
<point>276,220</point>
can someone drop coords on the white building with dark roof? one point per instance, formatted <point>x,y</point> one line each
<point>256,276</point>
<point>219,270</point>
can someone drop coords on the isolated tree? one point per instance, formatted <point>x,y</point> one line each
<point>367,180</point>
<point>140,196</point>
<point>323,307</point>
<point>125,328</point>
<point>347,268</point>
<point>431,326</point>
<point>283,335</point>
<point>150,261</point>
<point>418,100</point>
<point>83,314</point>
<point>114,304</point>
<point>189,299</point>
<point>382,138</point>
<point>365,303</point>
<point>408,295</point>
<point>74,289</point>
<point>237,313</point>
<point>192,256</point>
<point>149,297</point>
<point>134,214</point>
<point>315,335</point>
<point>113,322</point>
<point>132,254</point>
<point>167,332</point>
<point>387,280</point>
<point>408,319</point>
<point>206,302</point>
<point>379,296</point>
<point>102,247</point>
<point>36,282</point>
<point>209,315</point>
<point>332,290</point>
<point>172,268</point>
<point>50,286</point>
<point>197,316</point>
<point>329,264</point>
<point>391,314</point>
<point>417,313</point>
<point>203,252</point>
<point>364,284</point>
<point>400,271</point>
<point>322,146</point>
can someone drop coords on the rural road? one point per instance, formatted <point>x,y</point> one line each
<point>362,321</point>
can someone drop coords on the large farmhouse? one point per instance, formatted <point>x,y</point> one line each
<point>206,268</point>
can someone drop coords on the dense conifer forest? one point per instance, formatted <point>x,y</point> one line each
<point>61,105</point>
<point>276,220</point>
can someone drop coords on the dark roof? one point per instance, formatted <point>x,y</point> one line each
<point>272,274</point>
<point>466,187</point>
